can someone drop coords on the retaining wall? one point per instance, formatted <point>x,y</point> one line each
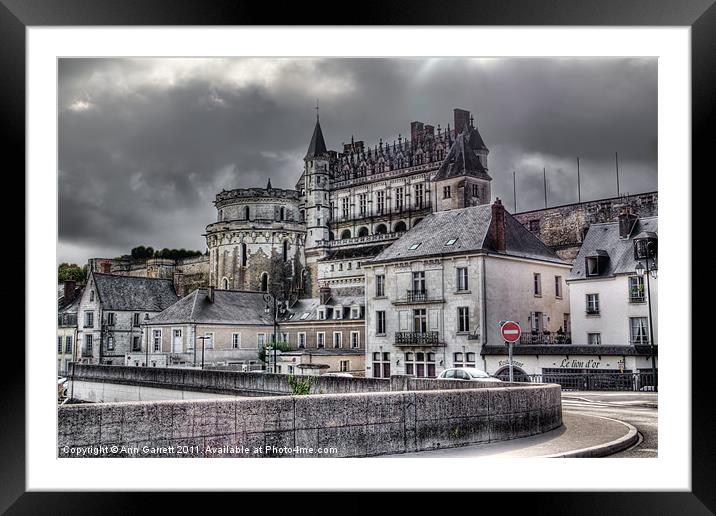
<point>344,425</point>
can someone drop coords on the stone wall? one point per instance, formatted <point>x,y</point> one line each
<point>340,425</point>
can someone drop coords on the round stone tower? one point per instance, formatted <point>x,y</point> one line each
<point>257,242</point>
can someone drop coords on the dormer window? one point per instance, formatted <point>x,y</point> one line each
<point>597,263</point>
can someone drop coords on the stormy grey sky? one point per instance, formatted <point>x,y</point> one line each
<point>145,144</point>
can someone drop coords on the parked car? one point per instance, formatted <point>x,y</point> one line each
<point>61,387</point>
<point>467,373</point>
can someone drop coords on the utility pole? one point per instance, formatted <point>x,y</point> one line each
<point>579,186</point>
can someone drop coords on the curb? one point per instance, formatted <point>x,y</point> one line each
<point>603,450</point>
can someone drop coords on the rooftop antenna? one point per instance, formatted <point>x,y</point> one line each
<point>317,119</point>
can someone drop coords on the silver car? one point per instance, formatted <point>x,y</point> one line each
<point>467,373</point>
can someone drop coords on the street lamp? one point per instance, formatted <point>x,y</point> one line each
<point>273,307</point>
<point>645,248</point>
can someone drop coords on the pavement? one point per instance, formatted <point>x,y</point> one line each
<point>595,424</point>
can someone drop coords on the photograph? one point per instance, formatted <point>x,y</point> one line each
<point>347,257</point>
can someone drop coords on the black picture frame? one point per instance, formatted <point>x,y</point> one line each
<point>17,15</point>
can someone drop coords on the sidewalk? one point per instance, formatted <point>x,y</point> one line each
<point>579,436</point>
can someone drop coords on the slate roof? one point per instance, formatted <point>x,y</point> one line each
<point>133,293</point>
<point>228,307</point>
<point>470,227</point>
<point>462,159</point>
<point>350,252</point>
<point>317,147</point>
<point>310,306</point>
<point>604,238</point>
<point>73,306</point>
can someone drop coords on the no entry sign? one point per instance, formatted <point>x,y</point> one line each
<point>510,331</point>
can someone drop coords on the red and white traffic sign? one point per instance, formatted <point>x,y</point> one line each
<point>511,331</point>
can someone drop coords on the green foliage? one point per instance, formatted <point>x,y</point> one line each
<point>71,272</point>
<point>300,386</point>
<point>142,252</point>
<point>280,346</point>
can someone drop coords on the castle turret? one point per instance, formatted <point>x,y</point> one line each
<point>317,189</point>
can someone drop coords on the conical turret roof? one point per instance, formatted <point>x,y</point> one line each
<point>317,147</point>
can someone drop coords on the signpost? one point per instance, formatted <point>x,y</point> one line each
<point>511,333</point>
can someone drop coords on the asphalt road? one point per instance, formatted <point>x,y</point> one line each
<point>639,409</point>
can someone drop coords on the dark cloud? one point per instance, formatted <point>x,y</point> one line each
<point>145,144</point>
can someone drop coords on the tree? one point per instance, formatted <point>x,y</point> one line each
<point>71,272</point>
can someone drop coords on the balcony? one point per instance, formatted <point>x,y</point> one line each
<point>417,297</point>
<point>87,352</point>
<point>414,338</point>
<point>637,296</point>
<point>545,338</point>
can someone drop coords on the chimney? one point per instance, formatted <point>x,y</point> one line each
<point>627,221</point>
<point>106,267</point>
<point>69,294</point>
<point>210,294</point>
<point>429,131</point>
<point>460,118</point>
<point>416,129</point>
<point>498,226</point>
<point>324,294</point>
<point>179,286</point>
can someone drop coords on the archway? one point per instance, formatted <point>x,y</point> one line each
<point>363,232</point>
<point>518,374</point>
<point>346,233</point>
<point>225,283</point>
<point>381,229</point>
<point>400,227</point>
<point>264,282</point>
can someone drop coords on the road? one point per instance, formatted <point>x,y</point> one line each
<point>639,409</point>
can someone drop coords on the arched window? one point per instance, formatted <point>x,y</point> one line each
<point>285,250</point>
<point>264,282</point>
<point>225,283</point>
<point>381,229</point>
<point>362,232</point>
<point>400,227</point>
<point>282,215</point>
<point>246,213</point>
<point>346,234</point>
<point>244,255</point>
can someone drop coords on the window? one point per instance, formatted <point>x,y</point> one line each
<point>638,332</point>
<point>451,241</point>
<point>380,198</point>
<point>344,365</point>
<point>355,313</point>
<point>59,344</point>
<point>463,319</point>
<point>381,365</point>
<point>446,192</point>
<point>355,339</point>
<point>594,264</point>
<point>68,344</point>
<point>321,315</point>
<point>414,247</point>
<point>235,340</point>
<point>345,209</point>
<point>537,279</point>
<point>420,365</point>
<point>89,319</point>
<point>380,285</point>
<point>264,282</point>
<point>462,283</point>
<point>136,343</point>
<point>225,283</point>
<point>246,213</point>
<point>285,250</point>
<point>399,199</point>
<point>558,287</point>
<point>534,225</point>
<point>475,191</point>
<point>380,322</point>
<point>244,255</point>
<point>537,319</point>
<point>464,359</point>
<point>419,195</point>
<point>594,339</point>
<point>305,315</point>
<point>636,289</point>
<point>282,213</point>
<point>321,339</point>
<point>592,304</point>
<point>110,318</point>
<point>91,295</point>
<point>337,339</point>
<point>363,204</point>
<point>110,343</point>
<point>419,281</point>
<point>302,340</point>
<point>420,320</point>
<point>209,342</point>
<point>88,345</point>
<point>260,340</point>
<point>157,339</point>
<point>135,319</point>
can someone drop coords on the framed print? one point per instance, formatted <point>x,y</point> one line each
<point>400,254</point>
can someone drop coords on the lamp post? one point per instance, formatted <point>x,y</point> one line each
<point>202,339</point>
<point>273,305</point>
<point>645,246</point>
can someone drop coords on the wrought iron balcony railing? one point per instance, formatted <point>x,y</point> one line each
<point>541,338</point>
<point>417,295</point>
<point>414,338</point>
